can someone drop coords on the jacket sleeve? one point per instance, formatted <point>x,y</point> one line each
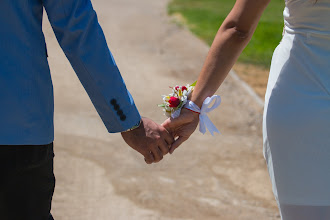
<point>80,36</point>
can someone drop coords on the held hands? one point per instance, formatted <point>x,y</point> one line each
<point>181,127</point>
<point>153,141</point>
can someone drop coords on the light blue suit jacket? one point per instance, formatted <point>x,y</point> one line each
<point>26,92</point>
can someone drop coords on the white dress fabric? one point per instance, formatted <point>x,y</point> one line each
<point>296,123</point>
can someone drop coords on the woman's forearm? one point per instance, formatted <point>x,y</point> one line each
<point>232,37</point>
<point>224,52</point>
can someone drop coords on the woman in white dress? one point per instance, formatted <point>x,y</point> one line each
<point>296,125</point>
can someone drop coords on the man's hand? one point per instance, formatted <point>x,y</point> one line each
<point>150,139</point>
<point>181,127</point>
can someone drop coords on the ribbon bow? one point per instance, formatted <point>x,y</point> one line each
<point>204,120</point>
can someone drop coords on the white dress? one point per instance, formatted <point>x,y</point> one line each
<point>296,124</point>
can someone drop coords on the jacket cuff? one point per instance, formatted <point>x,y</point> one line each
<point>127,117</point>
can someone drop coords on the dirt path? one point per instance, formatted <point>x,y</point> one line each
<point>99,177</point>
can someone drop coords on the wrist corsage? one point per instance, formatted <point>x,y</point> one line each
<point>178,99</point>
<point>173,103</point>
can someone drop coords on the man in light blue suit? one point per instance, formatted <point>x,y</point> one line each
<point>26,96</point>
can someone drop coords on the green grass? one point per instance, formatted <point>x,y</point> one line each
<point>204,17</point>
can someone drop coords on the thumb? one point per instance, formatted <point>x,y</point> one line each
<point>165,123</point>
<point>168,124</point>
<point>172,123</point>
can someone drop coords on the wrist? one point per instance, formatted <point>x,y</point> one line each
<point>134,127</point>
<point>197,101</point>
<point>192,110</point>
<point>193,116</point>
<point>198,113</point>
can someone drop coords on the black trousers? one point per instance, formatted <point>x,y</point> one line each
<point>27,182</point>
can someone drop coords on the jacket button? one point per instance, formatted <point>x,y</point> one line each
<point>120,112</point>
<point>113,101</point>
<point>123,117</point>
<point>116,107</point>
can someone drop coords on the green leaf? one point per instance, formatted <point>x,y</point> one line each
<point>194,84</point>
<point>161,105</point>
<point>179,106</point>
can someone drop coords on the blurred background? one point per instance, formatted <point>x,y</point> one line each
<point>157,44</point>
<point>203,17</point>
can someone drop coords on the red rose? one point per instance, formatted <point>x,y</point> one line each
<point>184,88</point>
<point>176,88</point>
<point>174,102</point>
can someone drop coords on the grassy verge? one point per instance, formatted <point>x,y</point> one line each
<point>204,17</point>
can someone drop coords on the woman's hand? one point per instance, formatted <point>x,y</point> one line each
<point>181,127</point>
